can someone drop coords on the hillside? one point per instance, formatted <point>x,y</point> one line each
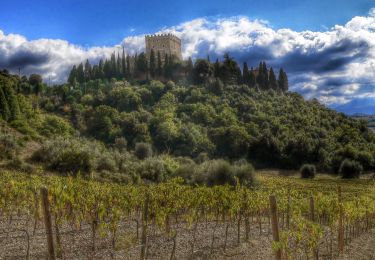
<point>109,125</point>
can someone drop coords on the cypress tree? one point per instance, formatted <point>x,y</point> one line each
<point>266,76</point>
<point>160,66</point>
<point>72,75</point>
<point>128,69</point>
<point>283,81</point>
<point>4,107</point>
<point>88,70</point>
<point>252,78</point>
<point>101,69</point>
<point>107,69</point>
<point>272,79</point>
<point>12,101</point>
<point>152,63</point>
<point>118,66</point>
<point>166,66</point>
<point>189,69</point>
<point>80,73</point>
<point>217,68</point>
<point>123,63</point>
<point>245,74</point>
<point>113,66</point>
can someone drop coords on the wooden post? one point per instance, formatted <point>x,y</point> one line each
<point>341,226</point>
<point>275,224</point>
<point>47,222</point>
<point>144,228</point>
<point>288,211</point>
<point>312,214</point>
<point>312,218</point>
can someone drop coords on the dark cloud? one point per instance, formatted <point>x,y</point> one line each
<point>24,59</point>
<point>332,58</point>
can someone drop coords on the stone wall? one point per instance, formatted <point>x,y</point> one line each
<point>165,44</point>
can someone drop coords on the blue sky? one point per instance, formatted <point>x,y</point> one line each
<point>327,47</point>
<point>100,22</point>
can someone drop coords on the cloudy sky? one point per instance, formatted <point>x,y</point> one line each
<point>326,46</point>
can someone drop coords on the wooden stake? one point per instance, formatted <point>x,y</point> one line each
<point>341,226</point>
<point>312,218</point>
<point>48,223</point>
<point>144,228</point>
<point>275,224</point>
<point>312,213</point>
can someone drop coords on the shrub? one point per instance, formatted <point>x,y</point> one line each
<point>55,126</point>
<point>220,172</point>
<point>8,146</point>
<point>121,143</point>
<point>75,155</point>
<point>202,157</point>
<point>308,171</point>
<point>152,169</point>
<point>20,165</point>
<point>245,174</point>
<point>350,169</point>
<point>143,150</point>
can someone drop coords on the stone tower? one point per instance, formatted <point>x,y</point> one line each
<point>165,44</point>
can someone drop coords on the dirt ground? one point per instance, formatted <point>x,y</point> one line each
<point>18,235</point>
<point>361,248</point>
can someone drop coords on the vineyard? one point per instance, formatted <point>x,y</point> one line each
<point>287,218</point>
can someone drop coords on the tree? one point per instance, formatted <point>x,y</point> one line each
<point>141,64</point>
<point>118,66</point>
<point>73,75</point>
<point>80,73</point>
<point>252,78</point>
<point>283,81</point>
<point>12,101</point>
<point>166,66</point>
<point>272,80</point>
<point>152,63</point>
<point>128,69</point>
<point>88,70</point>
<point>113,65</point>
<point>230,73</point>
<point>35,79</point>
<point>217,68</point>
<point>245,74</point>
<point>202,72</point>
<point>123,63</point>
<point>189,69</point>
<point>4,107</point>
<point>160,66</point>
<point>36,82</point>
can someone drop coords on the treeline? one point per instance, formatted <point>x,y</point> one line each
<point>141,68</point>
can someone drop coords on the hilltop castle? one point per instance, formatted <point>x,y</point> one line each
<point>165,44</point>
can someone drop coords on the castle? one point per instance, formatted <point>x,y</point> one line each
<point>165,44</point>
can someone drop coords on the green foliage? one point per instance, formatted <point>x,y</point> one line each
<point>74,156</point>
<point>152,169</point>
<point>143,150</point>
<point>308,171</point>
<point>8,146</point>
<point>350,169</point>
<point>55,126</point>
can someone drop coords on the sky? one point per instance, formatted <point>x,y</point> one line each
<point>327,47</point>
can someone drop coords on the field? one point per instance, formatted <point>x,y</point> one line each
<point>174,221</point>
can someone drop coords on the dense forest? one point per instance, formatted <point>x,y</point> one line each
<point>196,120</point>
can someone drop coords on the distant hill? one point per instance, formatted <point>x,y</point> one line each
<point>366,106</point>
